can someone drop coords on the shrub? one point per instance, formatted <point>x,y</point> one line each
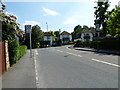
<point>78,43</point>
<point>13,51</point>
<point>59,42</point>
<point>37,45</point>
<point>22,50</point>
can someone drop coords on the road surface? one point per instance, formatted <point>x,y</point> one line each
<point>61,67</point>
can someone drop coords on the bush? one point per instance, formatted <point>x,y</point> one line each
<point>59,42</point>
<point>78,43</point>
<point>15,51</point>
<point>22,50</point>
<point>37,45</point>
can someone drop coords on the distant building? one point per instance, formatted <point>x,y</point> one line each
<point>48,37</point>
<point>88,35</point>
<point>66,37</point>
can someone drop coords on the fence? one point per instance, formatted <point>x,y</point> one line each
<point>4,57</point>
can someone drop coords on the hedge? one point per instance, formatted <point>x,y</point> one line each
<point>106,44</point>
<point>22,50</point>
<point>15,51</point>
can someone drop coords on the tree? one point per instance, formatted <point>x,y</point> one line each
<point>114,22</point>
<point>54,35</point>
<point>77,29</point>
<point>101,15</point>
<point>37,36</point>
<point>85,27</point>
<point>57,33</point>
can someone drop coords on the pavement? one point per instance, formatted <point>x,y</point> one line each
<point>97,50</point>
<point>62,67</point>
<point>21,75</point>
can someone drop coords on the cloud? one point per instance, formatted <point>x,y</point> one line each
<point>50,12</point>
<point>31,23</point>
<point>71,21</point>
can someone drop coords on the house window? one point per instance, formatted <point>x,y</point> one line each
<point>48,37</point>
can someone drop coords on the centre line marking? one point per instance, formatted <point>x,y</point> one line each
<point>59,51</point>
<point>115,65</point>
<point>74,54</point>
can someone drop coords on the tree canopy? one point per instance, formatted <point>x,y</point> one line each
<point>114,22</point>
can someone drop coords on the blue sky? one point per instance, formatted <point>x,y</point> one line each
<point>58,15</point>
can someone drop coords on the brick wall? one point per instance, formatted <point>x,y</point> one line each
<point>4,57</point>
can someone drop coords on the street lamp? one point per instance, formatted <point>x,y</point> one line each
<point>47,26</point>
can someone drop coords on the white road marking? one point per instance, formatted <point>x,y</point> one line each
<point>59,51</point>
<point>106,63</point>
<point>36,72</point>
<point>36,52</point>
<point>74,54</point>
<point>68,48</point>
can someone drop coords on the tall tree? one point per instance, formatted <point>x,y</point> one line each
<point>56,33</point>
<point>114,22</point>
<point>85,27</point>
<point>101,15</point>
<point>77,29</point>
<point>37,35</point>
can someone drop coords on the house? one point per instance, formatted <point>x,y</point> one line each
<point>88,35</point>
<point>66,37</point>
<point>48,37</point>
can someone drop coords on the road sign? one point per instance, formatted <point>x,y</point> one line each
<point>28,28</point>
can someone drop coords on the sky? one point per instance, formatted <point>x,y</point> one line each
<point>64,15</point>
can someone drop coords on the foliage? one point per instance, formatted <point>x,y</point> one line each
<point>109,44</point>
<point>56,33</point>
<point>37,35</point>
<point>22,50</point>
<point>10,27</point>
<point>59,43</point>
<point>37,44</point>
<point>13,51</point>
<point>114,22</point>
<point>85,27</point>
<point>101,15</point>
<point>78,43</point>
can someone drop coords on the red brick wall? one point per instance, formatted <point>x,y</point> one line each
<point>2,58</point>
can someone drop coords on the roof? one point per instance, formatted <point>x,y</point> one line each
<point>47,34</point>
<point>65,33</point>
<point>88,31</point>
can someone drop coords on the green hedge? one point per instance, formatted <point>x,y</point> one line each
<point>106,44</point>
<point>15,51</point>
<point>21,51</point>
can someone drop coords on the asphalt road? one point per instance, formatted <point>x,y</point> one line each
<point>61,67</point>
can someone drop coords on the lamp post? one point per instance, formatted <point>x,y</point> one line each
<point>47,26</point>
